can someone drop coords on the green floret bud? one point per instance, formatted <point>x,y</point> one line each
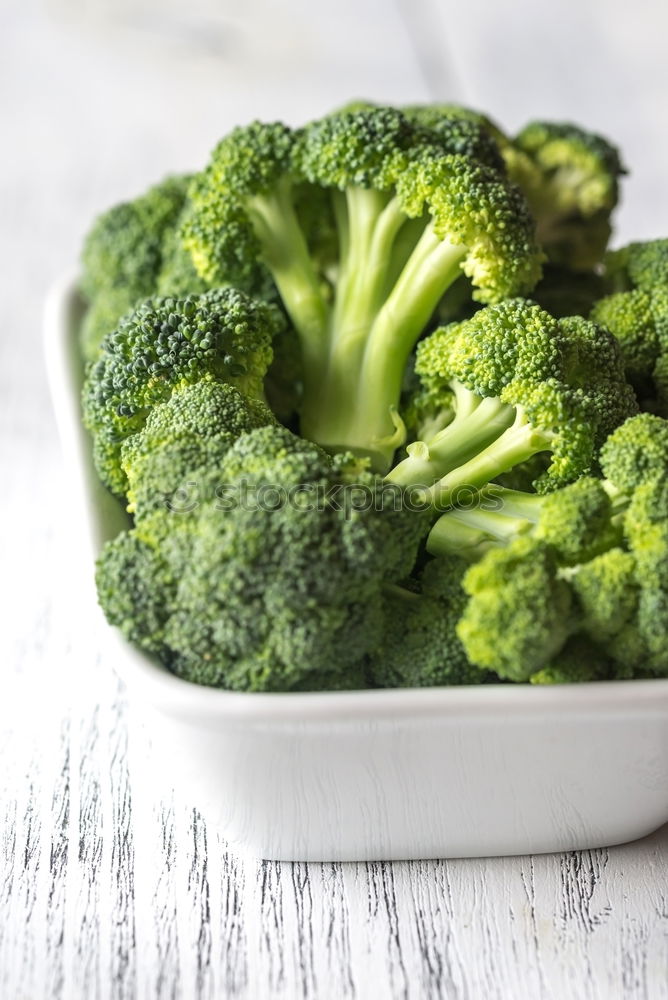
<point>135,588</point>
<point>520,383</point>
<point>474,207</point>
<point>420,646</point>
<point>518,617</point>
<point>606,593</point>
<point>166,343</point>
<point>576,521</point>
<point>181,446</point>
<point>464,132</point>
<point>123,255</point>
<point>638,265</point>
<point>636,452</point>
<point>629,317</point>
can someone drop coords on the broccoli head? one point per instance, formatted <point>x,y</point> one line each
<point>166,343</point>
<point>122,257</point>
<point>520,383</point>
<point>636,312</point>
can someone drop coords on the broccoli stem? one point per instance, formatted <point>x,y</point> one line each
<point>515,445</point>
<point>286,254</point>
<point>477,423</point>
<point>471,533</point>
<point>373,338</point>
<point>499,516</point>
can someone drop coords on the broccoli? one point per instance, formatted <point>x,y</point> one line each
<point>419,646</point>
<point>519,383</point>
<point>283,583</point>
<point>165,343</point>
<point>571,181</point>
<point>352,452</point>
<point>122,257</point>
<point>636,312</point>
<point>569,176</point>
<point>578,521</point>
<point>135,586</point>
<point>411,213</point>
<point>542,579</point>
<point>174,460</point>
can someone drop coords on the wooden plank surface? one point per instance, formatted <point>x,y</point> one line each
<point>108,889</point>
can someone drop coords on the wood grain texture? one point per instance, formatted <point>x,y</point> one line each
<point>110,890</point>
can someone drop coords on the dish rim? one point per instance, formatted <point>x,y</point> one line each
<point>177,696</point>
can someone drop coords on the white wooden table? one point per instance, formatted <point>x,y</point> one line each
<point>107,890</point>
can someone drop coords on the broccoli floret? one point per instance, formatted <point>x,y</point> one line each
<point>572,184</point>
<point>420,646</point>
<point>123,255</point>
<point>636,452</point>
<point>636,312</point>
<point>280,581</point>
<point>409,215</point>
<point>165,343</point>
<point>524,612</point>
<point>279,590</point>
<point>135,587</point>
<point>174,461</point>
<point>569,176</point>
<point>611,557</point>
<point>518,617</point>
<point>520,383</point>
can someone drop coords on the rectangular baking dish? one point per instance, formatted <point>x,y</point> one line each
<point>369,775</point>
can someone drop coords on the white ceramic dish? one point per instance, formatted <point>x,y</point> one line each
<point>392,774</point>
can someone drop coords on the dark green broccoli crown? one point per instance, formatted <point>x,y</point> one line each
<point>420,647</point>
<point>575,520</point>
<point>181,446</point>
<point>288,583</point>
<point>517,617</point>
<point>367,148</point>
<point>135,588</point>
<point>252,158</point>
<point>124,247</point>
<point>584,166</point>
<point>167,342</point>
<point>123,256</point>
<point>636,452</point>
<point>462,130</point>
